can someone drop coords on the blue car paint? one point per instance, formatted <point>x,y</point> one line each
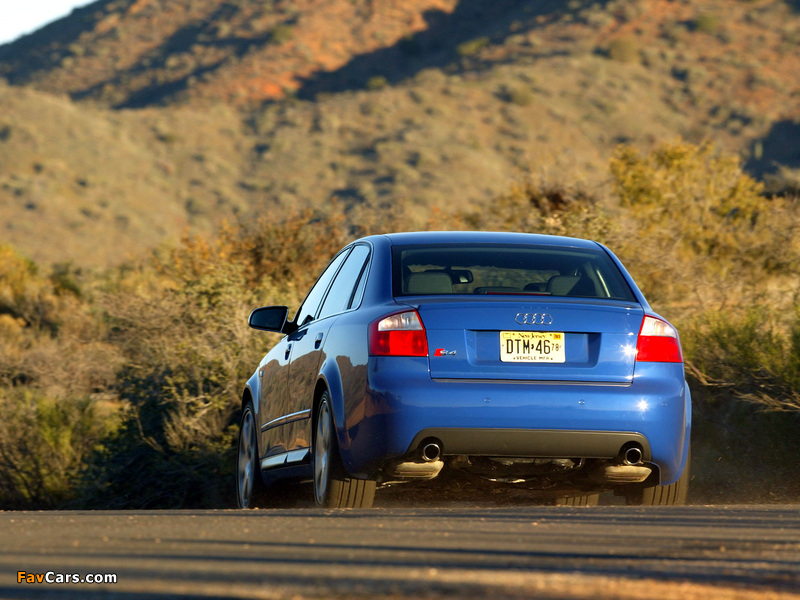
<point>655,405</point>
<point>586,360</point>
<point>381,403</point>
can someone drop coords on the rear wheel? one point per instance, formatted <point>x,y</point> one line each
<point>250,488</point>
<point>661,495</point>
<point>333,487</point>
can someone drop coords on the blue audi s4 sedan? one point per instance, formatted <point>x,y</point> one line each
<point>525,362</point>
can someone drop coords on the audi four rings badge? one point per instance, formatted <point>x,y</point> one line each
<point>534,319</point>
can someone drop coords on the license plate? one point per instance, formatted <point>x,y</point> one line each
<point>531,346</point>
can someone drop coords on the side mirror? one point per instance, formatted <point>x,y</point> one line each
<point>269,318</point>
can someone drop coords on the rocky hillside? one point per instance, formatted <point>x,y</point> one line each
<point>129,121</point>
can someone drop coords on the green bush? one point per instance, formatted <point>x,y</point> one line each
<point>121,389</point>
<point>538,207</point>
<point>188,351</point>
<point>623,50</point>
<point>752,355</point>
<point>44,443</point>
<point>472,47</point>
<point>377,83</point>
<point>706,23</point>
<point>281,34</point>
<point>519,95</point>
<point>695,225</point>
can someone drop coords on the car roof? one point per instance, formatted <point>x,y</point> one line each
<point>483,237</point>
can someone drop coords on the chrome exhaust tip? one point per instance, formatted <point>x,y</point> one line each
<point>632,456</point>
<point>431,452</point>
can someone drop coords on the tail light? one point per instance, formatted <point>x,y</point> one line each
<point>401,334</point>
<point>658,342</point>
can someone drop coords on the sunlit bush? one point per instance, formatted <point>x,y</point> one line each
<point>44,443</point>
<point>751,355</point>
<point>24,295</point>
<point>623,50</point>
<point>472,47</point>
<point>538,207</point>
<point>121,389</point>
<point>696,228</point>
<point>188,351</point>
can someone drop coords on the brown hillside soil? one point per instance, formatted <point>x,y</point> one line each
<point>739,54</point>
<point>252,50</point>
<point>133,53</point>
<point>317,45</point>
<point>244,108</point>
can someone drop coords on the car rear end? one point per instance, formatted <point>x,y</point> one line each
<point>537,362</point>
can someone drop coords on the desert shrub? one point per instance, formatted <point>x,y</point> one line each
<point>376,83</point>
<point>623,50</point>
<point>44,442</point>
<point>706,23</point>
<point>539,207</point>
<point>472,47</point>
<point>24,294</point>
<point>273,250</point>
<point>752,355</point>
<point>49,339</point>
<point>281,34</point>
<point>743,368</point>
<point>519,95</point>
<point>695,226</point>
<point>163,348</point>
<point>188,351</point>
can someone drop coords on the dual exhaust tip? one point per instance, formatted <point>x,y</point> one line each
<point>431,451</point>
<point>631,456</point>
<point>424,463</point>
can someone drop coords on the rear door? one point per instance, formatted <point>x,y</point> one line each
<point>295,372</point>
<point>308,348</point>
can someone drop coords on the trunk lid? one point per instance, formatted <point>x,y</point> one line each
<point>597,339</point>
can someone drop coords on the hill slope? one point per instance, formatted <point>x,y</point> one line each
<point>95,187</point>
<point>181,113</point>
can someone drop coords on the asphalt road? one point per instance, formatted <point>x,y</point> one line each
<point>708,552</point>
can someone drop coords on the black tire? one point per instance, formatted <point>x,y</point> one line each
<point>582,500</point>
<point>661,495</point>
<point>250,488</point>
<point>333,487</point>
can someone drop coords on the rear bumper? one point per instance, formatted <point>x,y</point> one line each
<point>403,406</point>
<point>551,443</point>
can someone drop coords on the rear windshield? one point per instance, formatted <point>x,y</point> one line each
<point>507,270</point>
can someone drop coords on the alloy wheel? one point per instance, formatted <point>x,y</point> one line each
<point>246,471</point>
<point>322,453</point>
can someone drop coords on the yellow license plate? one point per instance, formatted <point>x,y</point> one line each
<point>531,346</point>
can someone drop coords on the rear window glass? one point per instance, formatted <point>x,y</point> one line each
<point>507,270</point>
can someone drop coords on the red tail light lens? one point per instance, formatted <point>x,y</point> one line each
<point>658,342</point>
<point>401,334</point>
